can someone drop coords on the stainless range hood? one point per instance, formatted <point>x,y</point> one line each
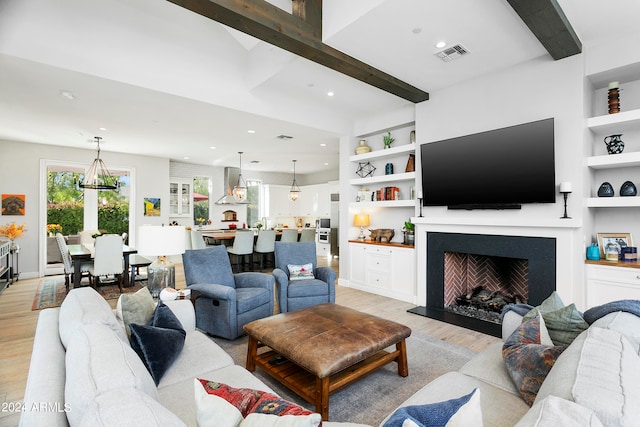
<point>230,180</point>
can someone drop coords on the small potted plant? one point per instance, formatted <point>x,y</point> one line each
<point>409,233</point>
<point>388,140</point>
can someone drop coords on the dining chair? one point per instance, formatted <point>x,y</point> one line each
<point>316,285</point>
<point>265,244</point>
<point>289,235</point>
<point>308,235</point>
<point>68,264</point>
<point>242,246</point>
<point>197,242</point>
<point>86,236</point>
<point>107,260</point>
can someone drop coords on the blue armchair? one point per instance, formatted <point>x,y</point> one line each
<point>228,301</point>
<point>297,294</point>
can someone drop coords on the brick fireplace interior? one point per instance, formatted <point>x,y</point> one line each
<point>471,276</point>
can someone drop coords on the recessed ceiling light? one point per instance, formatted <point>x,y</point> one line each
<point>323,145</point>
<point>213,148</point>
<point>441,44</point>
<point>329,93</point>
<point>185,158</point>
<point>102,129</point>
<point>67,94</point>
<point>251,131</point>
<point>326,164</point>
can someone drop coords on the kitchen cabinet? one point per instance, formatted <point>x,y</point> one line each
<point>383,269</point>
<point>277,203</point>
<point>314,201</point>
<point>180,198</point>
<point>608,282</point>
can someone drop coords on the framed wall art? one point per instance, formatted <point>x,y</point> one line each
<point>13,204</point>
<point>151,206</point>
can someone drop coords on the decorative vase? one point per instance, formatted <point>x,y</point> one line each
<point>615,145</point>
<point>363,147</point>
<point>605,190</point>
<point>628,189</point>
<point>409,237</point>
<point>412,137</point>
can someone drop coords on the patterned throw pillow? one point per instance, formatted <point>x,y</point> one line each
<point>221,405</point>
<point>528,361</point>
<point>564,323</point>
<point>461,412</point>
<point>300,272</point>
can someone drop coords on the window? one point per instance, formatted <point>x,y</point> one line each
<point>254,197</point>
<point>201,187</point>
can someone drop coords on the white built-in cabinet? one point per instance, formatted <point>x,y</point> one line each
<point>313,201</point>
<point>383,269</point>
<point>180,197</point>
<point>606,283</point>
<point>613,281</point>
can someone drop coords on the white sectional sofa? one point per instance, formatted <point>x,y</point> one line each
<point>84,372</point>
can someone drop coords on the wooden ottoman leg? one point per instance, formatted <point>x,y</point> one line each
<point>322,397</point>
<point>252,352</point>
<point>403,366</point>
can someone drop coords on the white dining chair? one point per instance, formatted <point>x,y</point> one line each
<point>108,259</point>
<point>68,264</point>
<point>289,235</point>
<point>242,246</point>
<point>265,244</point>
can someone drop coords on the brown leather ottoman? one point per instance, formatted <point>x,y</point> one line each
<point>320,349</point>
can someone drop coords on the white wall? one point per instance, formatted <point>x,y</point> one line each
<point>20,174</point>
<point>535,90</point>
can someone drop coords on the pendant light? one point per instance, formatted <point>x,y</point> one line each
<point>98,176</point>
<point>293,193</point>
<point>240,190</point>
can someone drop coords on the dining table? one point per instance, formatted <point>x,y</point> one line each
<point>83,252</point>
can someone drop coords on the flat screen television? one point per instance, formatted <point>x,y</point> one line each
<point>497,169</point>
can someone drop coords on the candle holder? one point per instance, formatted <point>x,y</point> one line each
<point>566,195</point>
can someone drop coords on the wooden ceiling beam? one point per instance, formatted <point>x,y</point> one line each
<point>548,23</point>
<point>302,37</point>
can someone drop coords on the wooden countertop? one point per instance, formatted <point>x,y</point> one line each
<point>372,242</point>
<point>624,264</point>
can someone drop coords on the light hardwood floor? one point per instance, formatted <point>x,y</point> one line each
<point>18,324</point>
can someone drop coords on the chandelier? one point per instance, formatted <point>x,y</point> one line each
<point>240,190</point>
<point>293,192</point>
<point>98,176</point>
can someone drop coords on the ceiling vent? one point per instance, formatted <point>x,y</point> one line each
<point>285,137</point>
<point>451,53</point>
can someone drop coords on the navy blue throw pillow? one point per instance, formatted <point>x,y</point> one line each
<point>159,342</point>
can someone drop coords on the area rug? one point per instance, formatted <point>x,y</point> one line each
<point>370,399</point>
<point>51,292</point>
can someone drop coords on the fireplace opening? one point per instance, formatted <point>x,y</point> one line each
<point>479,286</point>
<point>484,273</point>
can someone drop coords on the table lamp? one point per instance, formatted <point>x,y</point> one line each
<point>362,221</point>
<point>160,242</point>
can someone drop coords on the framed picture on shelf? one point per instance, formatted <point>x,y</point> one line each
<point>620,239</point>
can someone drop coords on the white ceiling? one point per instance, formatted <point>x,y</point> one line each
<point>166,81</point>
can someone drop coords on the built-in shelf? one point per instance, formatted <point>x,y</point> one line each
<point>618,123</point>
<point>384,204</point>
<point>613,202</point>
<point>394,177</point>
<point>381,154</point>
<point>614,161</point>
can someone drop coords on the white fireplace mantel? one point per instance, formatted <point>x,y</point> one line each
<point>569,248</point>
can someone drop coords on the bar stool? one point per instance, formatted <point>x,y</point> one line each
<point>308,235</point>
<point>242,246</point>
<point>289,235</point>
<point>265,244</point>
